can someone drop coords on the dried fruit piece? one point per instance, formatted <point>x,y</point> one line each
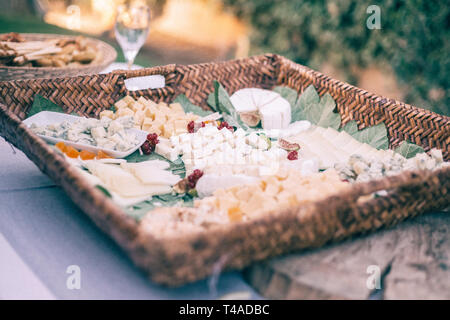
<point>251,118</point>
<point>61,146</point>
<point>146,148</point>
<point>71,152</point>
<point>293,155</point>
<point>288,146</point>
<point>103,155</point>
<point>86,155</point>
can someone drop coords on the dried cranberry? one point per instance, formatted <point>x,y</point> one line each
<point>203,124</point>
<point>293,155</point>
<point>146,148</point>
<point>191,126</point>
<point>191,184</point>
<point>197,173</point>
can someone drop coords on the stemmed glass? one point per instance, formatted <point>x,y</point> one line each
<point>131,29</point>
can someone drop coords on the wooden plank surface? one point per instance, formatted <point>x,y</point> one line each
<point>413,259</point>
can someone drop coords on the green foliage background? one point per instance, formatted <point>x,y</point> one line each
<point>414,39</point>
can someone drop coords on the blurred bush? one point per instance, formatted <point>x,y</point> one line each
<point>413,41</point>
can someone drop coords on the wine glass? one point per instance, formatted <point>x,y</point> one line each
<point>131,29</point>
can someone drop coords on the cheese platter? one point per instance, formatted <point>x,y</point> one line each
<point>242,171</point>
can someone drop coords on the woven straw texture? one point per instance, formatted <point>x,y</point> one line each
<point>106,55</point>
<point>175,261</point>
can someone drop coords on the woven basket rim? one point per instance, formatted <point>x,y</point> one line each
<point>109,54</point>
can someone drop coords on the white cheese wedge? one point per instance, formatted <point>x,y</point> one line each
<point>274,110</point>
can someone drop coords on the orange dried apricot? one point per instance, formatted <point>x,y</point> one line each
<point>86,155</point>
<point>71,152</point>
<point>102,155</point>
<point>61,146</point>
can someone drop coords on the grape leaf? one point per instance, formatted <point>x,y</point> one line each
<point>212,101</point>
<point>350,127</point>
<point>188,106</point>
<point>375,136</point>
<point>104,190</point>
<point>319,111</point>
<point>289,94</point>
<point>224,106</point>
<point>42,104</point>
<point>139,210</point>
<point>408,149</point>
<point>177,167</point>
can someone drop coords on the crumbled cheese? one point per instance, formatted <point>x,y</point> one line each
<point>104,133</point>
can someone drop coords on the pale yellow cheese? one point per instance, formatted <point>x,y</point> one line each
<point>159,118</point>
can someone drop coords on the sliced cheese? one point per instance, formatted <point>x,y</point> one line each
<point>123,182</point>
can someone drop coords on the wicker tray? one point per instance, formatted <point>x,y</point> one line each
<point>106,56</point>
<point>176,261</point>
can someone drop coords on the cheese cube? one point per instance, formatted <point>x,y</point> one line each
<point>177,108</point>
<point>199,163</point>
<point>210,131</point>
<point>128,100</point>
<point>239,133</point>
<point>164,108</point>
<point>150,112</point>
<point>175,140</point>
<point>227,134</point>
<point>154,129</point>
<point>185,137</point>
<point>208,150</point>
<point>135,106</point>
<point>139,117</point>
<point>186,148</point>
<point>167,130</point>
<point>166,151</point>
<point>123,112</point>
<point>160,117</point>
<point>180,125</point>
<point>197,142</point>
<point>187,161</point>
<point>143,101</point>
<point>146,124</point>
<point>107,113</point>
<point>158,124</point>
<point>121,104</point>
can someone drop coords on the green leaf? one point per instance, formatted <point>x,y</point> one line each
<point>188,106</point>
<point>177,167</point>
<point>139,210</point>
<point>375,136</point>
<point>289,94</point>
<point>104,190</point>
<point>224,106</point>
<point>212,101</point>
<point>408,149</point>
<point>350,127</point>
<point>42,104</point>
<point>319,111</point>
